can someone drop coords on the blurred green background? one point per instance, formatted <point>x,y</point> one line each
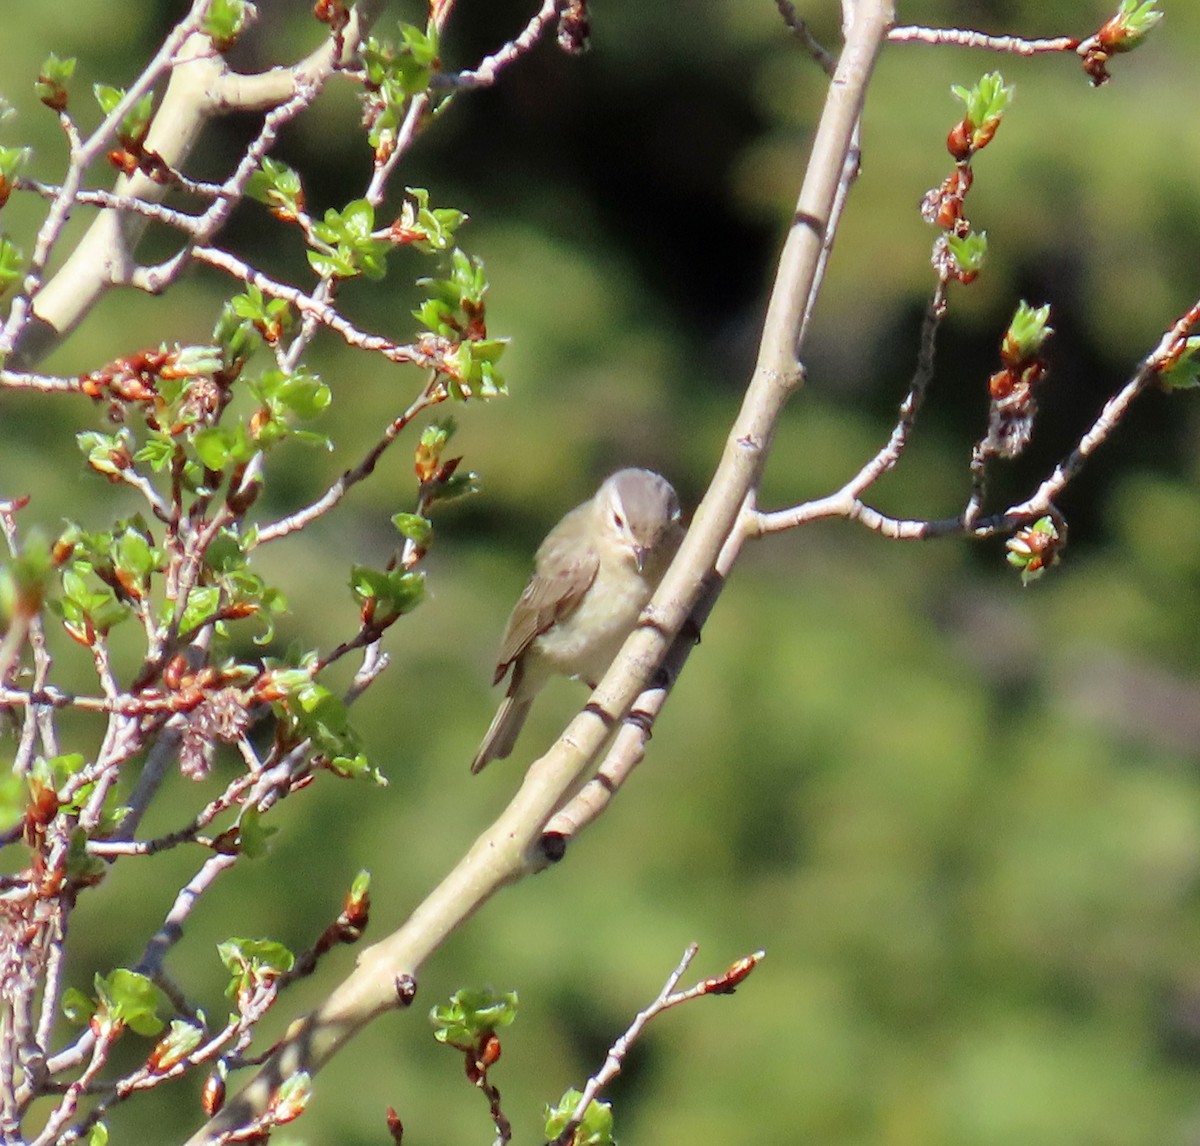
<point>963,818</point>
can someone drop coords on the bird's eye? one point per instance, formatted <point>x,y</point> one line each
<point>618,521</point>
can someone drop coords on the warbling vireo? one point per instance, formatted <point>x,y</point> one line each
<point>592,577</point>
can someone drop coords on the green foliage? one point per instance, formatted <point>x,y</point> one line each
<point>226,20</point>
<point>472,1014</point>
<point>311,711</point>
<point>87,608</point>
<point>1035,548</point>
<point>348,244</point>
<point>927,858</point>
<point>986,102</point>
<point>396,71</point>
<point>1183,373</point>
<point>135,123</point>
<point>219,447</point>
<point>386,594</point>
<point>253,963</point>
<point>428,229</point>
<point>299,395</point>
<point>595,1128</point>
<point>127,999</point>
<point>13,160</point>
<point>279,187</point>
<point>292,1097</point>
<point>107,454</point>
<point>969,251</point>
<point>415,528</point>
<point>460,295</point>
<point>253,834</point>
<point>12,260</point>
<point>472,365</point>
<point>1134,21</point>
<point>25,579</point>
<point>51,86</point>
<point>1027,332</point>
<point>270,317</point>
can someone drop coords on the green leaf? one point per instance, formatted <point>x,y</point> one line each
<point>1027,332</point>
<point>136,123</point>
<point>253,962</point>
<point>13,160</point>
<point>596,1127</point>
<point>1134,21</point>
<point>218,447</point>
<point>394,592</point>
<point>134,553</point>
<point>460,484</point>
<point>969,251</point>
<point>158,452</point>
<point>108,454</point>
<point>471,1013</point>
<point>414,527</point>
<point>356,768</point>
<point>108,97</point>
<point>252,835</point>
<point>51,86</point>
<point>290,1100</point>
<point>986,102</point>
<point>129,998</point>
<point>77,1007</point>
<point>1184,371</point>
<point>304,395</point>
<point>279,187</point>
<point>202,602</point>
<point>25,579</point>
<point>12,263</point>
<point>226,20</point>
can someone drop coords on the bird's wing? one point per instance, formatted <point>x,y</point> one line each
<point>555,589</point>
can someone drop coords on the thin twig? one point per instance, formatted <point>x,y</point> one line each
<point>668,997</point>
<point>487,71</point>
<point>801,30</point>
<point>966,38</point>
<point>845,503</point>
<point>348,480</point>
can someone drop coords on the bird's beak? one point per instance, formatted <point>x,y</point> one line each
<point>640,553</point>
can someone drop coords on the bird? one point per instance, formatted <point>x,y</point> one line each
<point>593,575</point>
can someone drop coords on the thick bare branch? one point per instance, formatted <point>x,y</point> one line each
<point>508,850</point>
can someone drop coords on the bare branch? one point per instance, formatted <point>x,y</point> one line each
<point>488,70</point>
<point>965,38</point>
<point>667,998</point>
<point>800,28</point>
<point>509,849</point>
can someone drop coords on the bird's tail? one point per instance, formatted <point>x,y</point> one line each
<point>502,733</point>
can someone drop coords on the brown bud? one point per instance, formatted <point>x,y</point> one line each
<point>958,142</point>
<point>123,160</point>
<point>212,1097</point>
<point>176,674</point>
<point>489,1050</point>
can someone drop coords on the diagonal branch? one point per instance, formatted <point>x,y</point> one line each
<point>200,87</point>
<point>508,851</point>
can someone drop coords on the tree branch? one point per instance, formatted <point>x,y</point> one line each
<point>509,850</point>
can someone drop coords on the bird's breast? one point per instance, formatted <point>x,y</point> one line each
<point>585,642</point>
